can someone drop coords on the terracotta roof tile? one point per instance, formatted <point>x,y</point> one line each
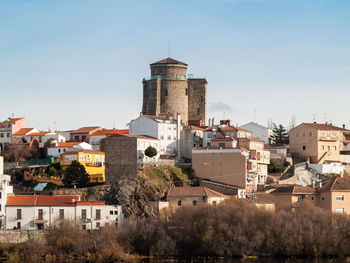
<point>192,127</point>
<point>86,129</point>
<point>326,127</point>
<point>66,144</point>
<point>169,61</point>
<point>134,136</point>
<point>23,131</point>
<point>39,133</point>
<point>109,132</point>
<point>193,191</point>
<point>12,120</point>
<point>42,200</point>
<point>91,203</point>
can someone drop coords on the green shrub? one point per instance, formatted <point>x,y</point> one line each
<point>151,152</point>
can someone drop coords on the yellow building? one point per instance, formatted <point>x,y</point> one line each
<point>93,161</point>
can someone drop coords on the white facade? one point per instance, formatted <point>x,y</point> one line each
<point>258,131</point>
<point>330,168</point>
<point>60,148</point>
<point>5,190</point>
<point>41,217</point>
<point>142,145</point>
<point>165,130</point>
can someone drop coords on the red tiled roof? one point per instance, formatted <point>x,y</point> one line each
<point>42,200</point>
<point>134,136</point>
<point>12,120</point>
<point>293,189</point>
<point>23,131</point>
<point>109,132</point>
<point>193,191</point>
<point>336,184</point>
<point>325,127</point>
<point>86,129</point>
<point>156,118</point>
<point>91,203</point>
<point>169,61</point>
<point>66,144</point>
<point>192,127</point>
<point>39,133</point>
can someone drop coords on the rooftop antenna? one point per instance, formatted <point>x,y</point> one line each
<point>255,120</point>
<point>168,50</point>
<point>314,117</point>
<point>13,116</point>
<point>325,117</point>
<point>113,125</point>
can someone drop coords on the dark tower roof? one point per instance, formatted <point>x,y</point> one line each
<point>169,61</point>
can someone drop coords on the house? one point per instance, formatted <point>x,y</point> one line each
<point>83,134</point>
<point>193,196</point>
<point>9,127</point>
<point>231,157</point>
<point>93,162</point>
<point>23,133</point>
<point>165,129</point>
<point>5,190</point>
<point>320,143</point>
<point>57,148</point>
<point>125,153</point>
<point>258,131</point>
<point>31,212</point>
<point>191,136</point>
<point>96,137</point>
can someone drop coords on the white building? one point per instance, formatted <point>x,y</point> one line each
<point>57,148</point>
<point>31,212</point>
<point>5,190</point>
<point>191,136</point>
<point>166,130</point>
<point>258,131</point>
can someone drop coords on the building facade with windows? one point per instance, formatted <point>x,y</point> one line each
<point>31,212</point>
<point>8,128</point>
<point>320,143</point>
<point>83,134</point>
<point>93,162</point>
<point>57,148</point>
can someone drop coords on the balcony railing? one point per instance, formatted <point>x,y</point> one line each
<point>165,78</point>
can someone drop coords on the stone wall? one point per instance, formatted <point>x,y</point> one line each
<point>20,236</point>
<point>121,158</point>
<point>197,99</point>
<point>221,188</point>
<point>171,70</point>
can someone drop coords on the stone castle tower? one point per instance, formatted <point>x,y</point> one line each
<point>169,92</point>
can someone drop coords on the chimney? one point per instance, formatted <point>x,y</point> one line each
<point>313,184</point>
<point>209,122</point>
<point>212,121</point>
<point>344,126</point>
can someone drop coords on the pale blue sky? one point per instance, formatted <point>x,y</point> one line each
<point>79,63</point>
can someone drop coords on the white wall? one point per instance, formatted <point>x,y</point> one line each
<point>51,214</point>
<point>142,145</point>
<point>332,168</point>
<point>258,131</point>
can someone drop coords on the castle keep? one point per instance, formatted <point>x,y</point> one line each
<point>169,91</point>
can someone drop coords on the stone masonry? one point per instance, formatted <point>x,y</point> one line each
<point>121,158</point>
<point>169,92</point>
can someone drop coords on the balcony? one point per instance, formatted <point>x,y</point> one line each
<point>166,78</point>
<point>328,138</point>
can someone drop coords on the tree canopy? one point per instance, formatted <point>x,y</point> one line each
<point>151,152</point>
<point>75,175</point>
<point>280,134</point>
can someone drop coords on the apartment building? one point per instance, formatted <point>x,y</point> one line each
<point>320,143</point>
<point>31,212</point>
<point>9,127</point>
<point>83,134</point>
<point>258,131</point>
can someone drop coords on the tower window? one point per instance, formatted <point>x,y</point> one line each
<point>165,92</point>
<point>202,99</point>
<point>186,92</point>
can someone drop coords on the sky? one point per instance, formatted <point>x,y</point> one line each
<point>66,64</point>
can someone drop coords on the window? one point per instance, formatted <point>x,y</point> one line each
<point>165,92</point>
<point>300,199</point>
<point>194,202</point>
<point>59,150</point>
<point>83,138</point>
<point>2,135</point>
<point>310,133</point>
<point>322,147</point>
<point>116,212</point>
<point>83,214</point>
<point>98,224</point>
<point>8,134</point>
<point>209,135</point>
<point>111,212</point>
<point>198,111</point>
<point>40,139</point>
<point>221,144</point>
<point>169,137</point>
<point>186,92</point>
<point>162,137</point>
<point>61,214</point>
<point>322,198</point>
<point>76,138</point>
<point>0,195</point>
<point>179,203</point>
<point>304,148</point>
<point>81,157</point>
<point>312,198</point>
<point>40,214</point>
<point>339,210</point>
<point>334,148</point>
<point>202,99</point>
<point>329,148</point>
<point>19,213</point>
<point>339,198</point>
<point>88,158</point>
<point>98,213</point>
<point>19,225</point>
<point>297,135</point>
<point>84,227</point>
<point>303,134</point>
<point>214,202</point>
